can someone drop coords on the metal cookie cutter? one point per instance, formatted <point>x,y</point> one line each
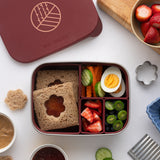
<point>146,73</point>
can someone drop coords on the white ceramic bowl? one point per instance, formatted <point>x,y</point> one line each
<point>14,136</point>
<point>49,145</point>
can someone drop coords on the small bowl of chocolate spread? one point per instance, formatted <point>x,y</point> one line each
<point>49,152</point>
<point>7,132</point>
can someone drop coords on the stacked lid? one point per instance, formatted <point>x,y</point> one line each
<point>33,29</point>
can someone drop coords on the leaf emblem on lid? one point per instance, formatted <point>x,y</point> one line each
<point>45,16</point>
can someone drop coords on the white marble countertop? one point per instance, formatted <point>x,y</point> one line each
<point>116,45</point>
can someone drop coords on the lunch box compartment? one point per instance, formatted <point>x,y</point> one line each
<point>79,130</point>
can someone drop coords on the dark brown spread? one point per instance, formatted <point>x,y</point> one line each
<point>48,153</point>
<point>57,81</point>
<point>55,105</point>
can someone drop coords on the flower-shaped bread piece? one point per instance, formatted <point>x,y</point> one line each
<point>16,99</point>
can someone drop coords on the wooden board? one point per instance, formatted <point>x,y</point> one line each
<point>120,10</point>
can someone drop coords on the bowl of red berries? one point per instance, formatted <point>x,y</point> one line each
<point>145,22</point>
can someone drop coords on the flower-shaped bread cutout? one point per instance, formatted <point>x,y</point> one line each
<point>55,105</point>
<point>146,73</point>
<point>57,81</point>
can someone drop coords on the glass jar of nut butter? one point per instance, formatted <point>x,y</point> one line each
<point>7,133</point>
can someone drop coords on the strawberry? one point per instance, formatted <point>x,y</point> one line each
<point>144,27</point>
<point>87,114</point>
<point>143,13</point>
<point>100,108</point>
<point>155,8</point>
<point>155,20</point>
<point>84,124</point>
<point>95,111</point>
<point>96,117</point>
<point>95,127</point>
<point>152,36</point>
<point>92,104</point>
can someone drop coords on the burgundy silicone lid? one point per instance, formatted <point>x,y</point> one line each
<point>33,29</point>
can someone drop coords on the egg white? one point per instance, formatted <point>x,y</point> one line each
<point>121,93</point>
<point>111,70</point>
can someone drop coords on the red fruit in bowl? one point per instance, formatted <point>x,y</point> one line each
<point>152,36</point>
<point>145,27</point>
<point>143,13</point>
<point>155,20</point>
<point>155,8</point>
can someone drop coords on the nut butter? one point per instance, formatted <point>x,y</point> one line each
<point>6,131</point>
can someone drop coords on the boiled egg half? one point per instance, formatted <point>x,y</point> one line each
<point>111,79</point>
<point>120,91</point>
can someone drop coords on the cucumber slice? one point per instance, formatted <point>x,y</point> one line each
<point>109,105</point>
<point>117,125</point>
<point>86,77</point>
<point>103,153</point>
<point>107,159</point>
<point>111,119</point>
<point>99,91</point>
<point>122,115</point>
<point>118,105</point>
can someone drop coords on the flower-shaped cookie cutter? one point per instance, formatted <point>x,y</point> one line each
<point>146,73</point>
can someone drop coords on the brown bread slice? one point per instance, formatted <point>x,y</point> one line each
<point>46,78</point>
<point>67,118</point>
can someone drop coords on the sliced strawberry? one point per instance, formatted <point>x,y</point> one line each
<point>87,114</point>
<point>155,8</point>
<point>84,124</point>
<point>143,13</point>
<point>95,127</point>
<point>155,20</point>
<point>99,102</point>
<point>152,36</point>
<point>100,108</point>
<point>96,117</point>
<point>92,104</point>
<point>95,111</point>
<point>145,27</point>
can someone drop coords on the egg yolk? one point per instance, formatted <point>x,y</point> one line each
<point>111,81</point>
<point>119,89</point>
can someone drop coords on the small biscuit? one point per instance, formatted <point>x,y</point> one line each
<point>5,158</point>
<point>16,99</point>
